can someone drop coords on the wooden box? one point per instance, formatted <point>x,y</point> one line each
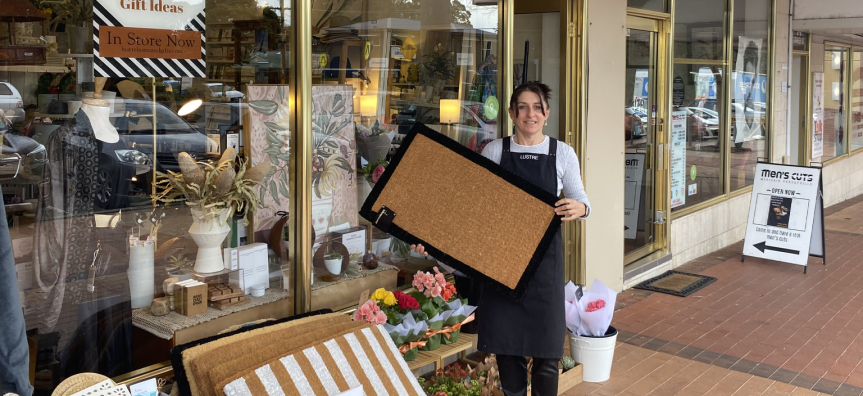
<point>22,55</point>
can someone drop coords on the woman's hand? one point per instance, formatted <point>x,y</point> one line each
<point>419,249</point>
<point>570,209</point>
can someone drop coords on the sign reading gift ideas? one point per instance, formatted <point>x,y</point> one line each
<point>149,38</point>
<point>786,214</point>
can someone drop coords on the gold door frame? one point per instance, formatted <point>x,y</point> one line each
<point>660,24</point>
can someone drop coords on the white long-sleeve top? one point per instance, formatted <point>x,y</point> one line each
<point>568,170</point>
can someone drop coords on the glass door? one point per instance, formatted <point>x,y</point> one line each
<point>641,125</point>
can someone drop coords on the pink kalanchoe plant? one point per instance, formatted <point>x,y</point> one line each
<point>371,313</point>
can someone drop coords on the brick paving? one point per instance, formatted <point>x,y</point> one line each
<point>762,328</point>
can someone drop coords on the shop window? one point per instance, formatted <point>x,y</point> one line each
<point>699,133</point>
<point>696,154</point>
<point>857,100</point>
<point>749,85</point>
<point>91,252</point>
<point>834,122</point>
<point>652,5</point>
<point>699,29</point>
<point>380,68</point>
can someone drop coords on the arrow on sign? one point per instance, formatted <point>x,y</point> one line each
<point>763,246</point>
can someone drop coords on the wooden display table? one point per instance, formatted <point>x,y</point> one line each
<point>437,356</point>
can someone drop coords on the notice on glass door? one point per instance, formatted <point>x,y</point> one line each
<point>632,193</point>
<point>817,115</point>
<point>678,158</point>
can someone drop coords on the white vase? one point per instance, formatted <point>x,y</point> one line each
<point>333,265</point>
<point>141,275</point>
<point>364,188</point>
<point>209,235</point>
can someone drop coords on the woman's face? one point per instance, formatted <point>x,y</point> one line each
<point>530,119</point>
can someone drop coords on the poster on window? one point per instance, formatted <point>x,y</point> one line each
<point>705,85</point>
<point>678,158</point>
<point>817,115</point>
<point>750,90</point>
<point>632,193</point>
<point>163,38</point>
<point>639,91</point>
<point>334,185</point>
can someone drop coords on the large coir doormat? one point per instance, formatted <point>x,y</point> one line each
<point>676,283</point>
<point>467,211</point>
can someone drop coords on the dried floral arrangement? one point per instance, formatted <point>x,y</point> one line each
<point>214,187</point>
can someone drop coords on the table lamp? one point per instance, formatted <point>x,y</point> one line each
<point>368,105</point>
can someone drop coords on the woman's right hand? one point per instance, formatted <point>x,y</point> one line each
<point>419,249</point>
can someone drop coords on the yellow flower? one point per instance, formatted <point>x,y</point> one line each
<point>379,294</point>
<point>390,299</point>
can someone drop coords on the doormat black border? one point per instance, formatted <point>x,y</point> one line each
<point>703,281</point>
<point>524,185</point>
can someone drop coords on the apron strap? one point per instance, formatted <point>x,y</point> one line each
<point>552,146</point>
<point>506,141</point>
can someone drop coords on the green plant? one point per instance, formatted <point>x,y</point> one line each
<point>72,13</point>
<point>334,256</point>
<point>178,262</point>
<point>213,187</point>
<point>567,362</point>
<point>370,167</point>
<point>437,66</point>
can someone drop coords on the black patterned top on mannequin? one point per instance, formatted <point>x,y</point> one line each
<point>65,234</point>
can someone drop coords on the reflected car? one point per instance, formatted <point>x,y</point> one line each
<point>635,123</point>
<point>229,92</point>
<point>11,104</point>
<point>19,151</point>
<point>703,123</point>
<point>124,178</point>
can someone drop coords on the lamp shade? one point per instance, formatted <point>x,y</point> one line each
<point>449,111</point>
<point>369,105</point>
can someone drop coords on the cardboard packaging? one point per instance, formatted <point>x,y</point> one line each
<point>190,298</point>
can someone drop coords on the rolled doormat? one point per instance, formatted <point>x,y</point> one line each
<point>676,283</point>
<point>468,212</point>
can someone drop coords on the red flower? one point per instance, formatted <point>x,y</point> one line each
<point>595,305</point>
<point>448,292</point>
<point>406,302</point>
<point>376,174</point>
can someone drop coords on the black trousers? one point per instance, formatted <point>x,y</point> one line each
<point>513,376</point>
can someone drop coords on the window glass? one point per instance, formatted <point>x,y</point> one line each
<point>699,29</point>
<point>652,5</point>
<point>835,63</point>
<point>697,128</point>
<point>91,250</point>
<point>381,67</point>
<point>750,82</point>
<point>857,100</point>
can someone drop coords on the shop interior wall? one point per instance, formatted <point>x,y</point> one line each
<point>604,162</point>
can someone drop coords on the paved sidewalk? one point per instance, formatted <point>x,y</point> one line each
<point>762,328</point>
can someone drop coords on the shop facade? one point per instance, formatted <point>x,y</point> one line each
<point>703,101</point>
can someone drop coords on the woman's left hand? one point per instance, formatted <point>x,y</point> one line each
<point>570,209</point>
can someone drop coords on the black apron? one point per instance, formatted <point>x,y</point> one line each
<point>535,325</point>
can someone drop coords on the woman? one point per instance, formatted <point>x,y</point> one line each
<point>533,326</point>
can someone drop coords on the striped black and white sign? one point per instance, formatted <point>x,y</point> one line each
<point>107,16</point>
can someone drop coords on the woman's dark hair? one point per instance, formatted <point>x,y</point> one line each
<point>540,89</point>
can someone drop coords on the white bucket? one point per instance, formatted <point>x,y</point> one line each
<point>595,354</point>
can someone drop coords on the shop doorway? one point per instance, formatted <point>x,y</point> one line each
<point>644,109</point>
<point>798,108</point>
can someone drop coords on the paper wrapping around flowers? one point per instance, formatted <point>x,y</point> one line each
<point>469,212</point>
<point>579,319</point>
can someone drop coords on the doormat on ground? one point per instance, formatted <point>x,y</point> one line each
<point>468,211</point>
<point>676,283</point>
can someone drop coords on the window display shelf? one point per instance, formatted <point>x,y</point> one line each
<point>36,68</point>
